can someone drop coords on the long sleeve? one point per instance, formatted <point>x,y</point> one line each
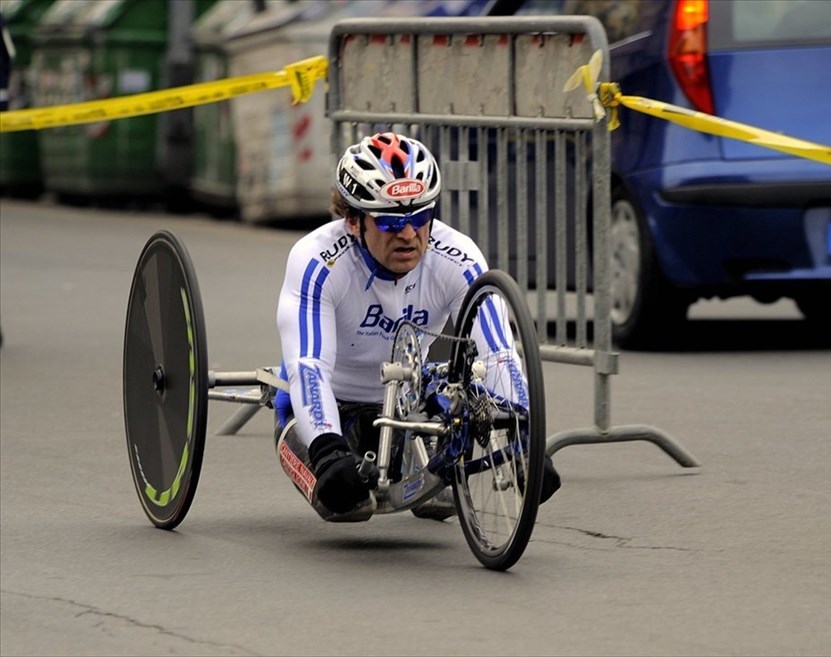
<point>308,331</point>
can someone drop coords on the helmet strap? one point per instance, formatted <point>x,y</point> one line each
<point>386,273</point>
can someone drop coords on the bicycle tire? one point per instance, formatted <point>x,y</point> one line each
<point>497,484</point>
<point>165,380</point>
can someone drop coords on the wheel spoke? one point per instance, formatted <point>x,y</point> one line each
<point>497,487</point>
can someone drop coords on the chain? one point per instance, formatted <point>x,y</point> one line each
<point>440,336</point>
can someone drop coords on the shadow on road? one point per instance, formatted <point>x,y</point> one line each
<point>747,335</point>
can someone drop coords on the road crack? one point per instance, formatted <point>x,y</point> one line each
<point>86,609</point>
<point>624,542</point>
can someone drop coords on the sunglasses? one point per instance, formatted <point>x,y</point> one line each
<point>394,223</point>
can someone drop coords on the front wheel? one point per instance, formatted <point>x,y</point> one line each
<point>497,481</point>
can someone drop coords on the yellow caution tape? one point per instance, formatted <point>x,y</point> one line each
<point>610,96</point>
<point>299,76</point>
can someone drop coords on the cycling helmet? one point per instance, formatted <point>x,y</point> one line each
<point>388,172</point>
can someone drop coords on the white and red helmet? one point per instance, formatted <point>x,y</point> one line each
<point>388,172</point>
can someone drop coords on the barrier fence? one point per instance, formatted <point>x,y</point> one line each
<point>525,165</point>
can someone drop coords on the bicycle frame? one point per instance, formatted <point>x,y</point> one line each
<point>423,483</point>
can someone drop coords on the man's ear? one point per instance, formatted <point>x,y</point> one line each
<point>353,225</point>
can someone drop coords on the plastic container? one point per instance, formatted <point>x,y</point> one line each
<point>213,183</point>
<point>93,49</point>
<point>20,173</point>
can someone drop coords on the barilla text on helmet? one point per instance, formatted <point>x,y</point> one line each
<point>402,189</point>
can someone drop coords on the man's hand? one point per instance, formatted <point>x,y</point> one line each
<point>339,486</point>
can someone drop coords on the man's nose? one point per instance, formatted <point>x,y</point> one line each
<point>408,232</point>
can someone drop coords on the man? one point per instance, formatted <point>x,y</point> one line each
<point>347,284</point>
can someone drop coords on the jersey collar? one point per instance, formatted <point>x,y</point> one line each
<point>376,269</point>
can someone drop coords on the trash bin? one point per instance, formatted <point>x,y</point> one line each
<point>19,163</point>
<point>94,49</point>
<point>284,159</point>
<point>214,179</point>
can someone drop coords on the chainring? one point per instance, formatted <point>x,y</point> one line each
<point>406,350</point>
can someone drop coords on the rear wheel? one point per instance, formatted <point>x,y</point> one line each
<point>497,482</point>
<point>815,306</point>
<point>165,380</point>
<point>645,308</point>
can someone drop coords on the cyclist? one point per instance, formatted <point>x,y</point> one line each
<point>348,286</point>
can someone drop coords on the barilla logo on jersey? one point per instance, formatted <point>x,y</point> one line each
<point>375,317</point>
<point>310,379</point>
<point>402,189</point>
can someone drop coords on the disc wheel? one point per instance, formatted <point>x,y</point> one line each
<point>165,380</point>
<point>497,483</point>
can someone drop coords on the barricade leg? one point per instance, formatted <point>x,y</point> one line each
<point>622,433</point>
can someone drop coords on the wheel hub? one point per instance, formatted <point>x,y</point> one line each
<point>159,380</point>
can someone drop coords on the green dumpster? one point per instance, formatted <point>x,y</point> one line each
<point>94,49</point>
<point>19,163</point>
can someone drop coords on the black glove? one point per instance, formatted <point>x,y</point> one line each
<point>339,486</point>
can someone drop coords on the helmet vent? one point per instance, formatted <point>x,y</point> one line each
<point>397,166</point>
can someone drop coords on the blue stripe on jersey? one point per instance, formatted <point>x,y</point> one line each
<point>318,290</point>
<point>304,307</point>
<point>486,329</point>
<point>497,325</point>
<point>470,276</point>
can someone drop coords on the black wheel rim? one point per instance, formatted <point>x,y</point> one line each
<point>165,380</point>
<point>497,517</point>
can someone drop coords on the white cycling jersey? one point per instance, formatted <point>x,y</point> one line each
<point>338,313</point>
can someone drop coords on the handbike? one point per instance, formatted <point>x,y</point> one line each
<point>475,422</point>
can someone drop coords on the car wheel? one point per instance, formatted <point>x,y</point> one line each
<point>816,307</point>
<point>645,309</point>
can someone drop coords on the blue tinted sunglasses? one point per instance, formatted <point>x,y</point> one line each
<point>394,223</point>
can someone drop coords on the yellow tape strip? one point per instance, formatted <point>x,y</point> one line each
<point>299,76</point>
<point>610,96</point>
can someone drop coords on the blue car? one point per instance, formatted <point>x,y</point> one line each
<point>697,216</point>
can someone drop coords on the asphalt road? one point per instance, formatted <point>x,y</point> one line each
<point>634,556</point>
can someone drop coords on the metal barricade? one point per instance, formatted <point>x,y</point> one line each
<point>525,166</point>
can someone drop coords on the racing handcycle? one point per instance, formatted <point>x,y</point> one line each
<point>474,421</point>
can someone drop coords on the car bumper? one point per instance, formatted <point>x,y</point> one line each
<point>712,228</point>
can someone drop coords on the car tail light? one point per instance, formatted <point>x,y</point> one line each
<point>688,52</point>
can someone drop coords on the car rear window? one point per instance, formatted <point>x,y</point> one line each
<point>620,18</point>
<point>753,23</point>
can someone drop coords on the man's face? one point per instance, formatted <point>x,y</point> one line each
<point>399,252</point>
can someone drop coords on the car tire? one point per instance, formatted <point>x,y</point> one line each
<point>646,310</point>
<point>816,307</point>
